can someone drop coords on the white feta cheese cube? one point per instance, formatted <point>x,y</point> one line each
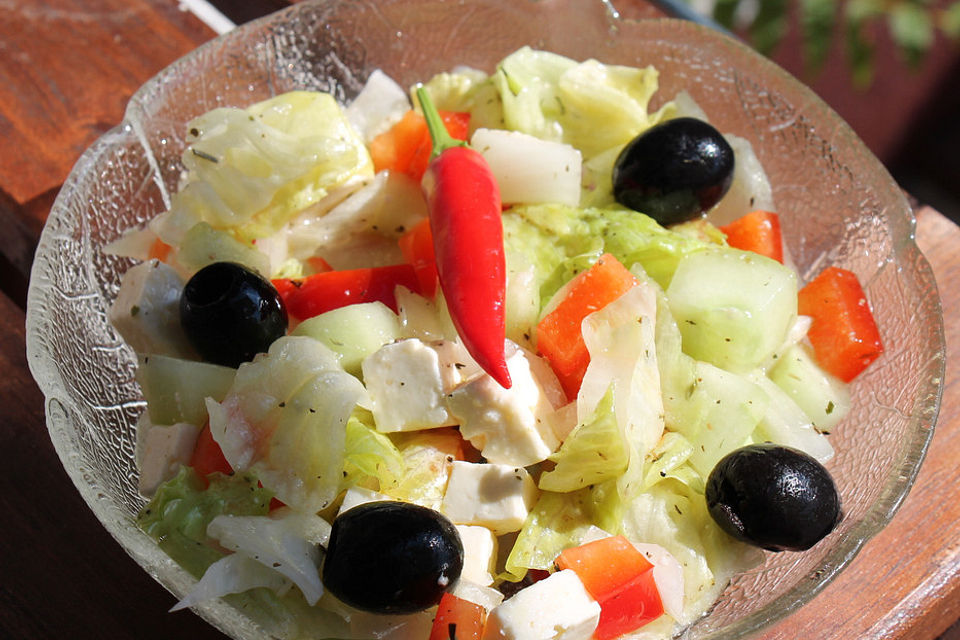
<point>456,364</point>
<point>555,608</point>
<point>479,554</point>
<point>355,496</point>
<point>146,311</point>
<point>496,496</point>
<point>165,448</point>
<point>405,387</point>
<point>509,426</point>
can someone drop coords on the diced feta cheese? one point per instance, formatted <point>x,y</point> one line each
<point>479,554</point>
<point>405,387</point>
<point>509,426</point>
<point>146,311</point>
<point>165,448</point>
<point>456,364</point>
<point>555,608</point>
<point>496,496</point>
<point>355,496</point>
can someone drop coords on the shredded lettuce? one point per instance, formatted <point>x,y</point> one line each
<point>370,454</point>
<point>468,90</point>
<point>234,573</point>
<point>559,521</point>
<point>594,452</point>
<point>589,105</point>
<point>675,517</point>
<point>285,418</point>
<point>178,515</point>
<point>282,543</point>
<point>251,170</point>
<point>560,241</point>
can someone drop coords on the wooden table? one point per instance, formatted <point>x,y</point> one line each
<point>67,68</point>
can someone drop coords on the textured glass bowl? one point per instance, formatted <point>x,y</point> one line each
<point>838,206</point>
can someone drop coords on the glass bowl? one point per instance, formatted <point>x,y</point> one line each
<point>838,206</point>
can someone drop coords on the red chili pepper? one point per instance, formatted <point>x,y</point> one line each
<point>464,204</point>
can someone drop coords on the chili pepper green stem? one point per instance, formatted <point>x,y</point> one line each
<point>442,140</point>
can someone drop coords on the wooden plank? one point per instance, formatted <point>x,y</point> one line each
<point>62,574</point>
<point>74,65</point>
<point>905,583</point>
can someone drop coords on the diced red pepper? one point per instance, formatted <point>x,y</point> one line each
<point>758,231</point>
<point>406,146</point>
<point>159,250</point>
<point>318,264</point>
<point>620,579</point>
<point>207,455</point>
<point>843,332</point>
<point>458,619</point>
<point>559,338</point>
<point>416,244</point>
<point>208,458</point>
<point>322,292</point>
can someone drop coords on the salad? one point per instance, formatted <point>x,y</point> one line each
<point>507,355</point>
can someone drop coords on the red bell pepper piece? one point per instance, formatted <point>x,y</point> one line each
<point>405,147</point>
<point>207,456</point>
<point>559,338</point>
<point>843,333</point>
<point>620,579</point>
<point>758,231</point>
<point>464,204</point>
<point>416,244</point>
<point>322,292</point>
<point>458,619</point>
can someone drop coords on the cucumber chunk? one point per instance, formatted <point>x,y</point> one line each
<point>785,423</point>
<point>823,397</point>
<point>722,409</point>
<point>353,332</point>
<point>175,389</point>
<point>734,308</point>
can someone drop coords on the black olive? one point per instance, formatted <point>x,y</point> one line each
<point>231,313</point>
<point>773,497</point>
<point>674,171</point>
<point>392,557</point>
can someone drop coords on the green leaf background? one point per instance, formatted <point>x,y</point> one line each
<point>912,24</point>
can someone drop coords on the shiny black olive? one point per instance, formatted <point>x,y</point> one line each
<point>674,171</point>
<point>392,557</point>
<point>773,497</point>
<point>231,313</point>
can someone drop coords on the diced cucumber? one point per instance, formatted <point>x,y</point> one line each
<point>721,410</point>
<point>175,389</point>
<point>734,308</point>
<point>353,332</point>
<point>824,398</point>
<point>786,423</point>
<point>203,245</point>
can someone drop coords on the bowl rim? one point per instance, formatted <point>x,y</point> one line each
<point>145,551</point>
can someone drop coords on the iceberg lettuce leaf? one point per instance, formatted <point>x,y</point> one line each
<point>285,418</point>
<point>589,105</point>
<point>178,515</point>
<point>594,452</point>
<point>251,170</point>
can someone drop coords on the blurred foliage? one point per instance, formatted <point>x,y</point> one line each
<point>913,26</point>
